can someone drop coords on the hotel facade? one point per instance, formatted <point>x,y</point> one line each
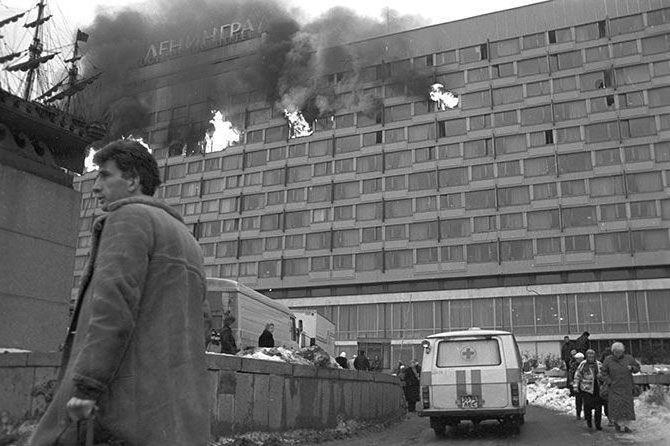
<point>538,205</point>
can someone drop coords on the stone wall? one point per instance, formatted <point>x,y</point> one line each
<point>246,394</point>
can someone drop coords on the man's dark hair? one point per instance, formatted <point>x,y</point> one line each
<point>133,160</point>
<point>586,333</point>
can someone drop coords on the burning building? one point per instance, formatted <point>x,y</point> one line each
<point>504,171</point>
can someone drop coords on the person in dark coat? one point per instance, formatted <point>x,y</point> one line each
<point>228,344</point>
<point>266,339</point>
<point>361,362</point>
<point>583,343</point>
<point>376,364</point>
<point>135,345</point>
<point>412,375</point>
<point>566,348</point>
<point>617,375</point>
<point>342,360</point>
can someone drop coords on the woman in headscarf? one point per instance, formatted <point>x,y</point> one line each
<point>617,375</point>
<point>586,382</point>
<point>266,339</point>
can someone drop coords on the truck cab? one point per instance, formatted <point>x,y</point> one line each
<point>472,375</point>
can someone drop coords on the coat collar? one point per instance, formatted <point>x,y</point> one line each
<point>142,199</point>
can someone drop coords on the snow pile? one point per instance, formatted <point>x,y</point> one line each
<point>312,356</point>
<point>542,393</point>
<point>652,413</point>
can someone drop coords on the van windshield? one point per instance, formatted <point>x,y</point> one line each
<point>468,353</point>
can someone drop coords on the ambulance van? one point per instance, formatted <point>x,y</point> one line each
<point>472,375</point>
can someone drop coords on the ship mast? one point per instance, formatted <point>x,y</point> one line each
<point>35,51</point>
<point>73,71</point>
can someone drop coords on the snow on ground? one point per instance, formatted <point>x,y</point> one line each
<point>652,410</point>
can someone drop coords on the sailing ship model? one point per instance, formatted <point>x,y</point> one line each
<point>46,119</point>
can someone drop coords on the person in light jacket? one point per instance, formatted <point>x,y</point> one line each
<point>587,383</point>
<point>135,350</point>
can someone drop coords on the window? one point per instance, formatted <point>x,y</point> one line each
<point>590,31</point>
<point>503,70</point>
<point>602,103</point>
<point>251,246</point>
<point>615,242</point>
<point>476,100</point>
<point>568,134</point>
<point>478,148</point>
<point>275,197</point>
<point>347,144</point>
<point>268,268</point>
<point>399,259</point>
<point>658,17</point>
<point>423,231</point>
<point>483,252</point>
<point>295,195</point>
<point>297,150</point>
<point>347,190</point>
<point>422,181</point>
<point>540,88</point>
<point>395,135</point>
<point>448,151</point>
<point>486,223</point>
<point>655,44</point>
<point>421,132</point>
<point>273,177</point>
<point>511,221</point>
<point>271,222</point>
<point>577,243</point>
<point>322,169</point>
<point>446,57</point>
<point>633,128</point>
<point>623,49</point>
<point>455,228</point>
<point>250,223</point>
<point>457,176</point>
<point>398,208</point>
<point>451,201</point>
<point>545,165</point>
<point>344,166</point>
<point>321,215</point>
<point>320,148</point>
<point>368,211</point>
<point>297,219</point>
<point>644,182</point>
<point>643,209</point>
<point>397,113</point>
<point>632,75</point>
<point>372,163</point>
<point>606,186</point>
<point>277,153</point>
<point>297,174</point>
<point>662,151</point>
<point>452,253</point>
<point>548,246</point>
<point>369,261</point>
<point>397,160</point>
<point>424,154</point>
<point>543,220</point>
<point>318,240</point>
<point>603,131</point>
<point>370,139</point>
<point>565,61</point>
<point>296,241</point>
<point>574,162</point>
<point>371,235</point>
<point>509,168</point>
<point>573,188</point>
<point>635,154</point>
<point>607,157</point>
<point>227,249</point>
<point>597,53</point>
<point>344,121</point>
<point>516,250</point>
<point>563,84</point>
<point>506,118</point>
<point>510,144</point>
<point>659,97</point>
<point>345,238</point>
<point>396,182</point>
<point>478,74</point>
<point>342,213</point>
<point>566,111</point>
<point>248,268</point>
<point>596,80</point>
<point>650,240</point>
<point>480,122</point>
<point>452,127</point>
<point>626,25</point>
<point>251,179</point>
<point>482,199</point>
<point>513,196</point>
<point>529,67</point>
<point>482,172</point>
<point>321,263</point>
<point>536,115</point>
<point>504,48</point>
<point>577,217</point>
<point>508,95</point>
<point>560,35</point>
<point>426,256</point>
<point>613,212</point>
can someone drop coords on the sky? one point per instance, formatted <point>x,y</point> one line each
<point>79,13</point>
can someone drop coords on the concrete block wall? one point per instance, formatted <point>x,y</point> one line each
<point>245,394</point>
<point>251,394</point>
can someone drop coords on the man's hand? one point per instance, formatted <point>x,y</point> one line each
<point>79,409</point>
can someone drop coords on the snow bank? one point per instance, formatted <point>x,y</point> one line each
<point>542,393</point>
<point>312,356</point>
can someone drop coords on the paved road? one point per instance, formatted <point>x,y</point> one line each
<point>543,427</point>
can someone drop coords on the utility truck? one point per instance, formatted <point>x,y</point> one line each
<point>315,329</point>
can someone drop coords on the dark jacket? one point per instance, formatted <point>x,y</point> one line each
<point>266,339</point>
<point>411,378</point>
<point>228,344</point>
<point>582,344</point>
<point>565,351</point>
<point>342,362</point>
<point>361,363</point>
<point>138,348</point>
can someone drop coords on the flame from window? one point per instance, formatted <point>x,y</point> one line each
<point>222,136</point>
<point>444,98</point>
<point>297,125</point>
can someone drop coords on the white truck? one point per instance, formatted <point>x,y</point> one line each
<point>315,329</point>
<point>252,311</point>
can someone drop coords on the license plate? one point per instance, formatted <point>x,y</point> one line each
<point>469,402</point>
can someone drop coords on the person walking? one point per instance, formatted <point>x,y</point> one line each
<point>617,375</point>
<point>412,375</point>
<point>361,362</point>
<point>574,363</point>
<point>228,344</point>
<point>583,343</point>
<point>266,339</point>
<point>587,383</point>
<point>342,360</point>
<point>566,349</point>
<point>141,321</point>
